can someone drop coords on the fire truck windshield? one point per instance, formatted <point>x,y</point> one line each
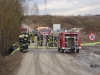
<point>44,30</point>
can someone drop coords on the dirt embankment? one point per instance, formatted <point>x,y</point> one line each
<point>10,63</point>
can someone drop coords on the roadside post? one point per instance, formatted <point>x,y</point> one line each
<point>92,37</point>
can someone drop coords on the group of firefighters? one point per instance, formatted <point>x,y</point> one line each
<point>24,40</point>
<point>50,40</point>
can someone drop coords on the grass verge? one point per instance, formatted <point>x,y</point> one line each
<point>90,44</point>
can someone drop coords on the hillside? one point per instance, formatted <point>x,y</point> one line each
<point>89,23</point>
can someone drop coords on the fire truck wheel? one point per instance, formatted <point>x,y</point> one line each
<point>77,50</point>
<point>62,51</point>
<point>58,49</point>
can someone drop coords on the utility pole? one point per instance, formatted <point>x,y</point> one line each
<point>45,2</point>
<point>53,20</point>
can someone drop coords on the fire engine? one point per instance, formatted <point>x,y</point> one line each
<point>69,41</point>
<point>24,29</point>
<point>44,30</point>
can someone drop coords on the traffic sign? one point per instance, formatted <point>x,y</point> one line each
<point>92,36</point>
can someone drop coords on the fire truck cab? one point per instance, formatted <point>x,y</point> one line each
<point>24,29</point>
<point>69,41</point>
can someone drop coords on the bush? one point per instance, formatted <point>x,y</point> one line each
<point>10,21</point>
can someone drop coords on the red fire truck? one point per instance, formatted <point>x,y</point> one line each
<point>69,41</point>
<point>24,29</point>
<point>44,30</point>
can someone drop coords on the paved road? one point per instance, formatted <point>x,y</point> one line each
<point>51,62</point>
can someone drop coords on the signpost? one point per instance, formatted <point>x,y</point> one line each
<point>92,37</point>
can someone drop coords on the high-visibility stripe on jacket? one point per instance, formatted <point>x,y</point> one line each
<point>50,40</point>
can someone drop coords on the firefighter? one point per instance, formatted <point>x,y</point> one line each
<point>36,28</point>
<point>41,40</point>
<point>32,38</point>
<point>20,42</point>
<point>30,35</point>
<point>50,40</point>
<point>38,40</point>
<point>27,41</point>
<point>23,42</point>
<point>55,41</point>
<point>46,39</point>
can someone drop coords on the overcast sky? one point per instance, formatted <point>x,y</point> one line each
<point>67,7</point>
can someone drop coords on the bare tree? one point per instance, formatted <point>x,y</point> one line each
<point>36,9</point>
<point>25,10</point>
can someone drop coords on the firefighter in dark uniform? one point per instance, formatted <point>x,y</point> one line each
<point>41,40</point>
<point>21,39</point>
<point>46,37</point>
<point>24,43</point>
<point>27,41</point>
<point>32,38</point>
<point>55,41</point>
<point>38,40</point>
<point>30,35</point>
<point>50,40</point>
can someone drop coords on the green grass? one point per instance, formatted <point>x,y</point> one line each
<point>83,44</point>
<point>90,44</point>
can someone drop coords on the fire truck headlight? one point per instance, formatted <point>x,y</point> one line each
<point>63,47</point>
<point>79,47</point>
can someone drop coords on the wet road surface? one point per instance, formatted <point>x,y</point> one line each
<point>52,62</point>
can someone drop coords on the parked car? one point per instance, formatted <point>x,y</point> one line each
<point>35,32</point>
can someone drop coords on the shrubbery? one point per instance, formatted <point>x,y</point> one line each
<point>10,21</point>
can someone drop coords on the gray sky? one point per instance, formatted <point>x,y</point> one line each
<point>67,7</point>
